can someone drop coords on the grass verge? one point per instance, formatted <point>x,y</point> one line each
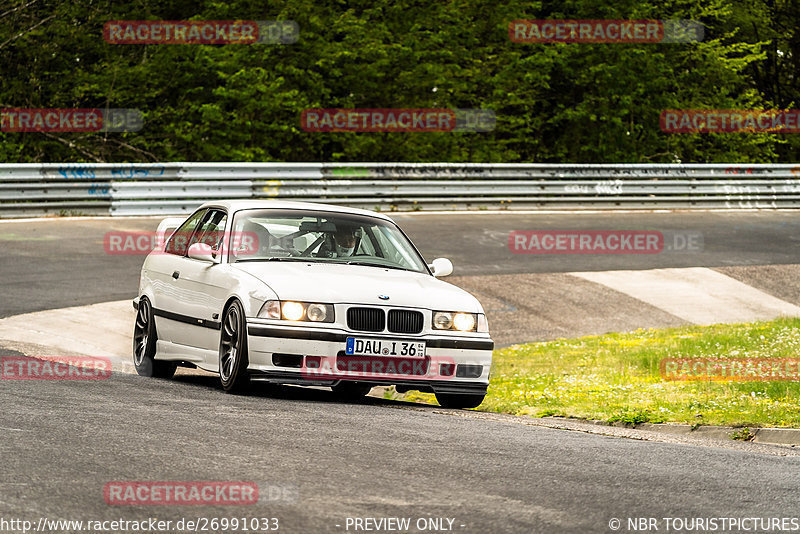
<point>616,377</point>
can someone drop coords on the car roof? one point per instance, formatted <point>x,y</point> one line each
<point>249,204</point>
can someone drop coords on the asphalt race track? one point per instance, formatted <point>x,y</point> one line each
<point>333,460</point>
<point>56,264</point>
<point>319,461</point>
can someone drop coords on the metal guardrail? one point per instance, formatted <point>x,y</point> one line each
<point>177,188</point>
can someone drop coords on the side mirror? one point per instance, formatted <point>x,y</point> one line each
<point>441,267</point>
<point>202,252</point>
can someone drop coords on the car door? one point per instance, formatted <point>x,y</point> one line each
<point>163,268</point>
<point>206,285</point>
<point>192,307</point>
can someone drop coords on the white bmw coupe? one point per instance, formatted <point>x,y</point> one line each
<point>309,294</point>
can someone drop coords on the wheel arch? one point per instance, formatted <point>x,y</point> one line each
<point>148,294</point>
<point>231,300</point>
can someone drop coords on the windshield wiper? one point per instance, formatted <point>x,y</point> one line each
<point>276,258</point>
<point>368,264</point>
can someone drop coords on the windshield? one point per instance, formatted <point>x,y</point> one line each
<point>293,235</point>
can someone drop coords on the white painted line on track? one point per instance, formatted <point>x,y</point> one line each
<point>696,294</point>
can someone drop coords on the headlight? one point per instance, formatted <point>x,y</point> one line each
<point>297,311</point>
<point>292,311</point>
<point>270,310</point>
<point>443,320</point>
<point>317,312</point>
<point>464,321</point>
<point>461,321</point>
<point>483,323</point>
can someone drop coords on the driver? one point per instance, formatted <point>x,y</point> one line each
<point>345,239</point>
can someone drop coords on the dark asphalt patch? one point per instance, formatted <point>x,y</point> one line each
<point>534,307</point>
<point>781,281</point>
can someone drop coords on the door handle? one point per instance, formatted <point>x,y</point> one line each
<point>176,275</point>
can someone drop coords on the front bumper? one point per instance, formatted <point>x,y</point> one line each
<point>315,356</point>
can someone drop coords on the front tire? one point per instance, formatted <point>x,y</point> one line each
<point>453,400</point>
<point>233,358</point>
<point>144,345</point>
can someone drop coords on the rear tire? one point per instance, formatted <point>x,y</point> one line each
<point>144,345</point>
<point>233,358</point>
<point>453,400</point>
<point>351,391</point>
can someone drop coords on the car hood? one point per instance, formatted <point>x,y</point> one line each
<point>336,283</point>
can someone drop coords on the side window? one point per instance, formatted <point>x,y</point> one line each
<point>178,243</point>
<point>211,230</point>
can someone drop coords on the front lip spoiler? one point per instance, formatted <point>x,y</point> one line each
<point>338,337</point>
<point>438,386</point>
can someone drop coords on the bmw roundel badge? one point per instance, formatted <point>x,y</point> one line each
<point>383,297</point>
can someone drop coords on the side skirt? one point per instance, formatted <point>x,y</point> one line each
<point>166,350</point>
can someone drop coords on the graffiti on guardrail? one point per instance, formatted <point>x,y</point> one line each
<point>347,172</point>
<point>77,171</point>
<point>751,171</point>
<point>738,170</point>
<point>657,172</point>
<point>140,188</point>
<point>604,187</point>
<point>135,171</point>
<point>750,204</point>
<point>791,186</point>
<point>99,189</point>
<point>415,170</point>
<point>609,187</point>
<point>744,195</point>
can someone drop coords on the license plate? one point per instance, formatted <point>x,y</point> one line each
<point>367,346</point>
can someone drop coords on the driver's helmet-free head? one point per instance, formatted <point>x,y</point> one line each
<point>345,239</point>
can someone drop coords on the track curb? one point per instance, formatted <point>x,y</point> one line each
<point>768,435</point>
